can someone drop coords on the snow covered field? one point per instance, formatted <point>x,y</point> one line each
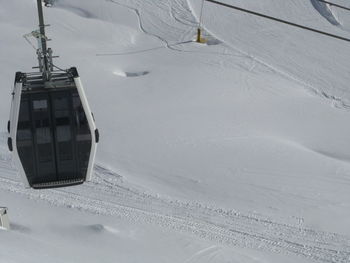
<point>235,151</point>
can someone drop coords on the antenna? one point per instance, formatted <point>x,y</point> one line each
<point>44,53</point>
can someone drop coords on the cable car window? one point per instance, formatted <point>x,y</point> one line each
<point>83,136</point>
<point>82,122</point>
<point>43,134</point>
<point>24,135</point>
<point>24,138</point>
<point>63,134</point>
<point>24,130</point>
<point>63,127</point>
<point>40,105</point>
<point>41,117</point>
<point>61,103</point>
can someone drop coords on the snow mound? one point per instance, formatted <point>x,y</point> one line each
<point>130,74</point>
<point>20,228</point>
<point>100,228</point>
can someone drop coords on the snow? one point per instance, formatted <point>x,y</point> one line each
<point>236,151</point>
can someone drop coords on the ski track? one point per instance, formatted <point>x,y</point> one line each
<point>182,28</point>
<point>186,23</point>
<point>336,101</point>
<point>165,27</point>
<point>108,194</point>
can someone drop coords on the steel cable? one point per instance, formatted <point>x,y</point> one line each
<point>279,20</point>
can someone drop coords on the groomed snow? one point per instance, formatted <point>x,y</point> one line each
<point>237,151</point>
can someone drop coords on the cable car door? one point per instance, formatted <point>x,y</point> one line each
<point>50,142</point>
<point>44,147</point>
<point>64,132</point>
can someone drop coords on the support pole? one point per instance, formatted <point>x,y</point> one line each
<point>199,35</point>
<point>44,56</point>
<point>199,30</point>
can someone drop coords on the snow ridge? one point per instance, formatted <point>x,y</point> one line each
<point>325,10</point>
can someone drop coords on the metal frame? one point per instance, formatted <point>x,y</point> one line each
<point>92,127</point>
<point>15,104</point>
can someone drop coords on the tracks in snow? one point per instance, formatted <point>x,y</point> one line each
<point>108,194</point>
<point>173,23</point>
<point>156,23</point>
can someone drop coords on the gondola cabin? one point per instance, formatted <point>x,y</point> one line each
<point>52,131</point>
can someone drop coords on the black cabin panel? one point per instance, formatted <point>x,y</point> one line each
<point>25,143</point>
<point>53,136</point>
<point>64,136</point>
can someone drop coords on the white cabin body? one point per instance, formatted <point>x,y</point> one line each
<point>53,135</point>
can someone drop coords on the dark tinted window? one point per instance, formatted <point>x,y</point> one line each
<point>83,135</point>
<point>41,117</point>
<point>53,136</point>
<point>24,126</point>
<point>25,138</point>
<point>63,127</point>
<point>81,120</point>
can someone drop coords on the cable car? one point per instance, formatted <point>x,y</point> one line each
<point>52,131</point>
<point>53,135</point>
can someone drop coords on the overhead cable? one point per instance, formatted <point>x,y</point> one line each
<point>278,20</point>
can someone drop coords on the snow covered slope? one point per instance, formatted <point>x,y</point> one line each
<point>314,61</point>
<point>237,151</point>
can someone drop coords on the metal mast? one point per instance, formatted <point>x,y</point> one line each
<point>44,53</point>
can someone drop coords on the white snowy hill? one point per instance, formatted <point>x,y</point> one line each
<point>234,151</point>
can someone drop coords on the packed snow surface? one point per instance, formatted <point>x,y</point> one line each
<point>233,151</point>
